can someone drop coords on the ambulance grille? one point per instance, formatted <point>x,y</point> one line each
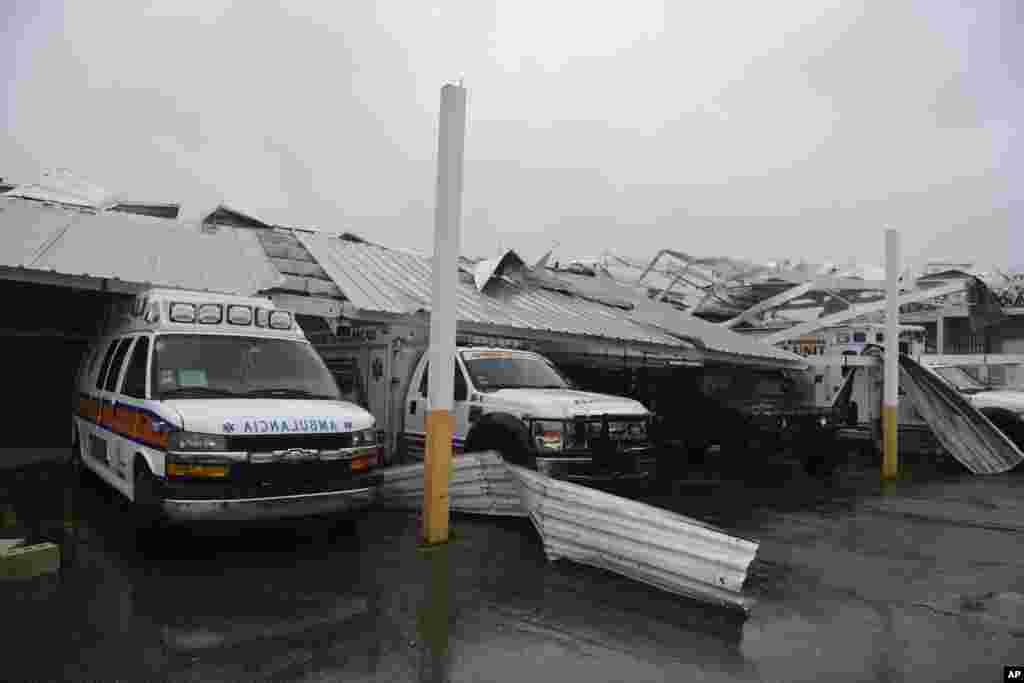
<point>280,442</point>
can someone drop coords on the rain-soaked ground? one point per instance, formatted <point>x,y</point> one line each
<point>920,582</point>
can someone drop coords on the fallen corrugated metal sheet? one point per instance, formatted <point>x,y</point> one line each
<point>137,249</point>
<point>654,546</point>
<point>480,483</point>
<point>968,435</point>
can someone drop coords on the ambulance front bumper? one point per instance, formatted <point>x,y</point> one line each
<point>269,508</point>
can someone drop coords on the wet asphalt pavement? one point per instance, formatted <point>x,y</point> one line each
<point>920,582</point>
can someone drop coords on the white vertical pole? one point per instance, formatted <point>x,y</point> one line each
<point>890,461</point>
<point>447,220</point>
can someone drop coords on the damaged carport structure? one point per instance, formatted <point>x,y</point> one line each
<point>514,301</point>
<point>61,266</point>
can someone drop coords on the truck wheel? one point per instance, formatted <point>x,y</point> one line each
<point>505,442</point>
<point>1011,427</point>
<point>819,454</point>
<point>853,415</point>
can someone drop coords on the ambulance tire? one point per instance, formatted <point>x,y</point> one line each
<point>75,459</point>
<point>147,512</point>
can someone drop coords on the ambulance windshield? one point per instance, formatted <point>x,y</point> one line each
<point>209,366</point>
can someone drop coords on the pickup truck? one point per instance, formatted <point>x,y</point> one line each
<point>1004,408</point>
<point>746,411</point>
<point>515,402</point>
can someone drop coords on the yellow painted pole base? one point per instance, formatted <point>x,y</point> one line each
<point>890,454</point>
<point>436,470</point>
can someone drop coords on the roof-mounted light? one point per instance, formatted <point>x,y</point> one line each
<point>183,313</point>
<point>281,320</point>
<point>262,317</point>
<point>240,315</point>
<point>211,314</point>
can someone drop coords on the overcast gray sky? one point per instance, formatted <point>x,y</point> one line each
<point>754,129</point>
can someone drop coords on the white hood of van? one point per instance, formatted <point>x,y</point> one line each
<point>254,416</point>
<point>563,403</point>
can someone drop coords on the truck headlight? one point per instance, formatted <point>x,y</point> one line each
<point>193,441</point>
<point>548,435</point>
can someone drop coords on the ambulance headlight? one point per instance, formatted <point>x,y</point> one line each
<point>192,441</point>
<point>364,437</point>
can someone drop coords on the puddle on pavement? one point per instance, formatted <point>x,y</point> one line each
<point>360,602</point>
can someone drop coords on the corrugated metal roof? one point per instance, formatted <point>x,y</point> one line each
<point>670,319</point>
<point>61,186</point>
<point>132,248</point>
<point>383,280</point>
<point>388,281</point>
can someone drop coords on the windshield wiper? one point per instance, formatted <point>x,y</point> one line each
<point>186,392</point>
<point>286,392</point>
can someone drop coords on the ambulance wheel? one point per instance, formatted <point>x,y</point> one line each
<point>75,459</point>
<point>146,501</point>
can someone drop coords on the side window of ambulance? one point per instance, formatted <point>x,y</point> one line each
<point>115,365</point>
<point>106,364</point>
<point>424,380</point>
<point>87,364</point>
<point>135,376</point>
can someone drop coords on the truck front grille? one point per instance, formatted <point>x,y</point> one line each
<point>629,431</point>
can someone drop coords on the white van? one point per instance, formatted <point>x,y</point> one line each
<point>200,406</point>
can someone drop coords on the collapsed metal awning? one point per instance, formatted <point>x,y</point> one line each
<point>69,244</point>
<point>504,296</point>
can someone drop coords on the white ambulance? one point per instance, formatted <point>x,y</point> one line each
<point>199,406</point>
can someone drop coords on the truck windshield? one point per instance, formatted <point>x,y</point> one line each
<point>513,372</point>
<point>960,380</point>
<point>209,366</point>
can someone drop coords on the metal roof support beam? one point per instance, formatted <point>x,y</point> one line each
<point>769,303</point>
<point>862,309</point>
<point>87,282</point>
<point>308,305</point>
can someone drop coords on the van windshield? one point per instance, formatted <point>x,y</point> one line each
<point>213,366</point>
<point>492,371</point>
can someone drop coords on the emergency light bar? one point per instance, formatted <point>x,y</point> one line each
<point>281,320</point>
<point>183,313</point>
<point>239,315</point>
<point>211,314</point>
